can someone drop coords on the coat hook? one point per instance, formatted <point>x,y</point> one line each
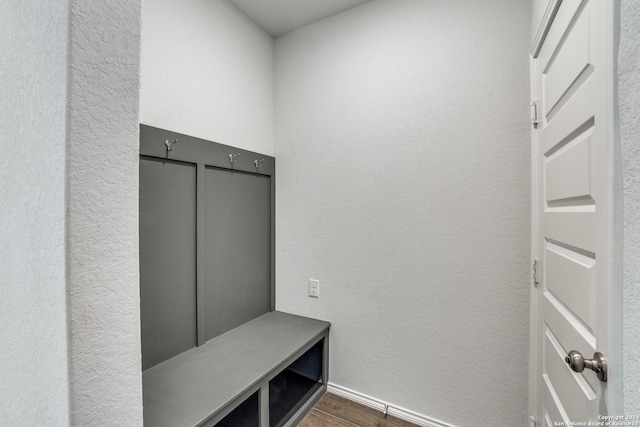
<point>170,144</point>
<point>258,163</point>
<point>232,157</point>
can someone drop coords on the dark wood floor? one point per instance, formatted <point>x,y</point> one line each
<point>335,411</point>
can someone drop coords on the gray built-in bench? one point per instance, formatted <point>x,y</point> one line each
<point>214,351</point>
<point>267,372</point>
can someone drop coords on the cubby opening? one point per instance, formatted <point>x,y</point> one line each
<point>294,386</point>
<point>247,414</point>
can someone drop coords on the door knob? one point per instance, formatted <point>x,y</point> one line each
<point>597,364</point>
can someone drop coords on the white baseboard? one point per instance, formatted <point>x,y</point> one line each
<point>354,396</point>
<point>395,411</point>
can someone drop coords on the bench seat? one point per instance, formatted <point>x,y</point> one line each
<point>204,384</point>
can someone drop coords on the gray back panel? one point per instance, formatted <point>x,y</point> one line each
<point>167,259</point>
<point>237,248</point>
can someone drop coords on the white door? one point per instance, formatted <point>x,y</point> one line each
<point>573,218</point>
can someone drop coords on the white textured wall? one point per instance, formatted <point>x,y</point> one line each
<point>33,338</point>
<point>629,103</point>
<point>402,141</point>
<point>207,71</point>
<point>102,221</point>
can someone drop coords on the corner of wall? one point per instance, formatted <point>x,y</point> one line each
<point>102,213</point>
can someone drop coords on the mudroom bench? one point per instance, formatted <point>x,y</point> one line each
<point>267,372</point>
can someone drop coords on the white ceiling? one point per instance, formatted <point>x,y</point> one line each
<point>277,17</point>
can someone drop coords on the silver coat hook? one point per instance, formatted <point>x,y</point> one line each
<point>170,144</point>
<point>258,163</point>
<point>232,157</point>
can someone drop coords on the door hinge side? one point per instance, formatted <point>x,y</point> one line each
<point>536,272</point>
<point>534,112</point>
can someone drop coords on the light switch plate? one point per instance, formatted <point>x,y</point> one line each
<point>314,288</point>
